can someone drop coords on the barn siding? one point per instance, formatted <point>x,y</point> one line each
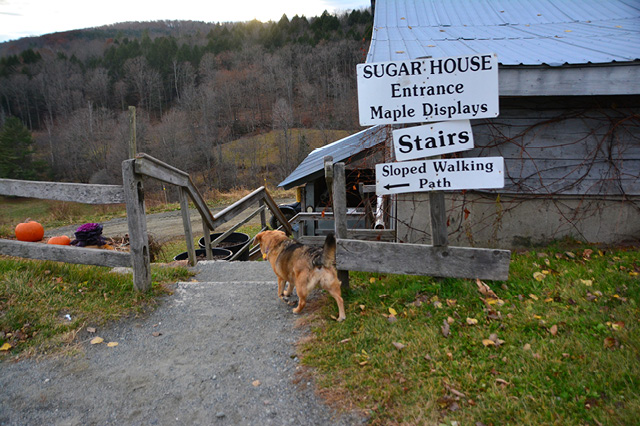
<point>564,151</point>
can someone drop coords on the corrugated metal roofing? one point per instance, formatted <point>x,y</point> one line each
<point>521,32</point>
<point>340,150</point>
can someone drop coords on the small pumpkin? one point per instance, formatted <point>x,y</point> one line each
<point>61,240</point>
<point>29,230</point>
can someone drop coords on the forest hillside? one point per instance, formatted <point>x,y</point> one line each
<point>274,89</point>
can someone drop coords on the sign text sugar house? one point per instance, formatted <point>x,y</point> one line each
<point>422,90</point>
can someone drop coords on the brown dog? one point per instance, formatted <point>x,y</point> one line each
<point>302,266</point>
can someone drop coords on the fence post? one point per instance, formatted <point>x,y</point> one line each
<point>137,222</point>
<point>133,149</point>
<point>439,234</point>
<point>186,222</point>
<point>340,213</point>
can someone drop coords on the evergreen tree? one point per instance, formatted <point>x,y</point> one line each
<point>15,151</point>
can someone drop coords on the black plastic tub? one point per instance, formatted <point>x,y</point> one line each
<point>218,254</point>
<point>234,242</point>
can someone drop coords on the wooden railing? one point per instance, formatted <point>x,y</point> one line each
<point>132,194</point>
<point>149,166</point>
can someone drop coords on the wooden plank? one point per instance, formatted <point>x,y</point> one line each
<point>416,259</point>
<point>439,234</point>
<point>186,222</point>
<point>68,254</point>
<point>207,240</point>
<point>236,208</point>
<point>145,166</point>
<point>275,210</point>
<point>63,191</point>
<point>201,205</point>
<point>364,234</point>
<point>340,217</point>
<point>233,229</point>
<point>136,220</point>
<point>577,81</point>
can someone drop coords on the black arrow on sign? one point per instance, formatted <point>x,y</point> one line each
<point>398,185</point>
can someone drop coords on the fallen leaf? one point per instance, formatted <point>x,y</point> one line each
<point>539,276</point>
<point>393,312</point>
<point>445,328</point>
<point>502,382</point>
<point>362,307</point>
<point>533,296</point>
<point>5,347</point>
<point>611,342</point>
<point>527,347</point>
<point>450,320</point>
<point>553,330</point>
<point>618,325</point>
<point>437,304</point>
<point>156,334</point>
<point>256,383</point>
<point>112,344</point>
<point>399,346</point>
<point>451,302</point>
<point>472,321</point>
<point>363,363</point>
<point>372,280</point>
<point>91,329</point>
<point>485,290</point>
<point>488,342</point>
<point>345,340</point>
<point>570,255</point>
<point>96,340</point>
<point>392,319</point>
<point>588,283</point>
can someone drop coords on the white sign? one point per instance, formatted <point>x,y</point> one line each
<point>434,89</point>
<point>440,175</point>
<point>432,139</point>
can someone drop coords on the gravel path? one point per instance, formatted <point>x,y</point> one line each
<point>218,351</point>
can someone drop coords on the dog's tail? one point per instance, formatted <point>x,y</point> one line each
<point>329,251</point>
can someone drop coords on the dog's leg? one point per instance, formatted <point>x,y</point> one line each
<point>289,291</point>
<point>302,290</point>
<point>334,291</point>
<point>281,284</point>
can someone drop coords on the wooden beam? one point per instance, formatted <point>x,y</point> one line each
<point>439,233</point>
<point>275,210</point>
<point>186,223</point>
<point>340,216</point>
<point>149,166</point>
<point>237,225</point>
<point>415,259</point>
<point>62,191</point>
<point>137,222</point>
<point>236,208</point>
<point>68,254</point>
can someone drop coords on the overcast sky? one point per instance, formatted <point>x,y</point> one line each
<point>23,18</point>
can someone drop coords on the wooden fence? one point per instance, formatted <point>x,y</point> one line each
<point>132,194</point>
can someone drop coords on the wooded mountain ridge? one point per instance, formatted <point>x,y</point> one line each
<point>195,85</point>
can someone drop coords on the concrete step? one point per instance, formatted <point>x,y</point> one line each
<point>235,272</point>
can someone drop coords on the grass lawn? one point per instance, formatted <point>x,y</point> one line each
<point>44,304</point>
<point>558,343</point>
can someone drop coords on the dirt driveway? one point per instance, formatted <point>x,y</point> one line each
<point>165,226</point>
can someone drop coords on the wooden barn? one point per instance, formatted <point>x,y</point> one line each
<point>568,128</point>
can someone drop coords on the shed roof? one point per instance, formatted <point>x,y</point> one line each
<point>313,166</point>
<point>521,32</point>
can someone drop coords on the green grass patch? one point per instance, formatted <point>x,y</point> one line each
<point>559,344</point>
<point>44,304</point>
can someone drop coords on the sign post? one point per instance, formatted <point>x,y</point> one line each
<point>445,93</point>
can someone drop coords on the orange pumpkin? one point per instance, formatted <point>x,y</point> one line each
<point>29,230</point>
<point>61,240</point>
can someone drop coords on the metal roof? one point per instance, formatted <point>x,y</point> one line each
<point>521,32</point>
<point>313,166</point>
